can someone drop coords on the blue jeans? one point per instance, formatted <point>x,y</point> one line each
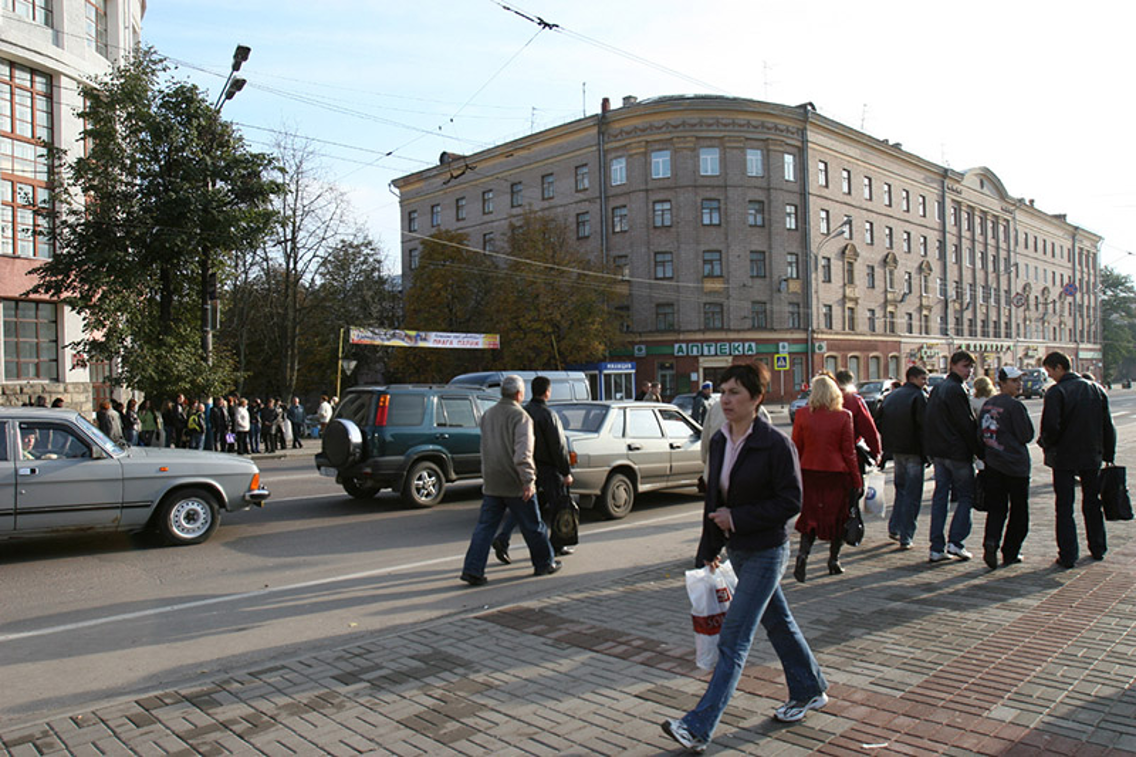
<point>527,515</point>
<point>908,496</point>
<point>758,597</point>
<point>957,474</point>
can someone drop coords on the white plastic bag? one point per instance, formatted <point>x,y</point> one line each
<point>875,495</point>
<point>710,595</point>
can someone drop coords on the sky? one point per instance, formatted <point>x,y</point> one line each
<point>1038,91</point>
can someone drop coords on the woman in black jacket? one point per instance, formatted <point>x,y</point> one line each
<point>752,492</point>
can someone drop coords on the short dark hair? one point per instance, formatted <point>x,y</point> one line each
<point>962,356</point>
<point>753,377</point>
<point>844,378</point>
<point>1057,360</point>
<point>540,385</point>
<point>915,372</point>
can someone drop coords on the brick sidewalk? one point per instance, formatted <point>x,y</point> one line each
<point>923,659</point>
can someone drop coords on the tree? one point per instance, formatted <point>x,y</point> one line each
<point>163,191</point>
<point>1118,319</point>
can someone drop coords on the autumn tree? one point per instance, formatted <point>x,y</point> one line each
<point>1118,322</point>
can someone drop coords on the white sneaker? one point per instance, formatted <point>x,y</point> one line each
<point>937,556</point>
<point>792,711</point>
<point>678,731</point>
<point>961,553</point>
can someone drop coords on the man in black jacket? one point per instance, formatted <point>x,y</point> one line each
<point>553,474</point>
<point>900,423</point>
<point>950,439</point>
<point>1076,434</point>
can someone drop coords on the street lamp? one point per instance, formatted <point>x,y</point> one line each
<point>845,227</point>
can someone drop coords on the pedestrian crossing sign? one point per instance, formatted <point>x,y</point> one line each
<point>781,362</point>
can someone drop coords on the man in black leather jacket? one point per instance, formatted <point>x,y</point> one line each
<point>900,422</point>
<point>1077,435</point>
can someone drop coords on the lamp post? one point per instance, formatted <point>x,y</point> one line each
<point>233,85</point>
<point>844,227</point>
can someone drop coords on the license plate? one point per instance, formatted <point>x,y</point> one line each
<point>326,471</point>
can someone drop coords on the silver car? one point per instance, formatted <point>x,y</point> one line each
<point>621,448</point>
<point>59,473</point>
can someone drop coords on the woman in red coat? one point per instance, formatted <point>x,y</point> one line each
<point>829,471</point>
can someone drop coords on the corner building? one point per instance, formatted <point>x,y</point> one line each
<point>47,47</point>
<point>751,230</point>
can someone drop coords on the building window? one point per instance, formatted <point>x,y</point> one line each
<point>664,265</point>
<point>871,320</point>
<point>845,181</point>
<point>889,279</point>
<point>827,316</point>
<point>792,268</point>
<point>757,264</point>
<point>583,225</point>
<point>847,227</point>
<point>887,194</point>
<point>664,316</point>
<point>96,27</point>
<point>755,213</point>
<point>850,319</point>
<point>708,161</point>
<point>850,273</point>
<point>487,242</point>
<point>890,318</point>
<point>712,264</point>
<point>516,194</point>
<point>922,206</point>
<point>867,187</point>
<point>413,258</point>
<point>905,200</point>
<point>922,245</point>
<point>619,223</point>
<point>618,171</point>
<point>622,264</point>
<point>889,237</point>
<point>825,221</point>
<point>925,324</point>
<point>487,202</point>
<point>869,232</point>
<point>822,173</point>
<point>31,341</point>
<point>547,186</point>
<point>794,315</point>
<point>791,217</point>
<point>459,208</point>
<point>826,270</point>
<point>755,162</point>
<point>790,167</point>
<point>759,315</point>
<point>907,241</point>
<point>870,277</point>
<point>711,212</point>
<point>661,164</point>
<point>582,178</point>
<point>907,282</point>
<point>661,213</point>
<point>712,315</point>
<point>435,216</point>
<point>411,221</point>
<point>39,10</point>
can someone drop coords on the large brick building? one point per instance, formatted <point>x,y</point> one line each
<point>750,229</point>
<point>46,48</point>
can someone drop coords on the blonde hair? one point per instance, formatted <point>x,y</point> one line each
<point>983,387</point>
<point>825,393</point>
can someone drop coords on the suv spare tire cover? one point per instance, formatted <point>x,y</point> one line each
<point>342,442</point>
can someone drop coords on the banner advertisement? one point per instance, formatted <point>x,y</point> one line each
<point>400,338</point>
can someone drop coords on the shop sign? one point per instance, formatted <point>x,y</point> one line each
<point>709,349</point>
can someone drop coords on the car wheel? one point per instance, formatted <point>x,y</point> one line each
<point>187,516</point>
<point>618,497</point>
<point>359,488</point>
<point>425,484</point>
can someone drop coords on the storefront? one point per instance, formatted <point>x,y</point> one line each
<point>610,381</point>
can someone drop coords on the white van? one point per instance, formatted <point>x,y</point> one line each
<point>567,386</point>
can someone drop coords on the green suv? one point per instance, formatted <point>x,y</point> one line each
<point>412,438</point>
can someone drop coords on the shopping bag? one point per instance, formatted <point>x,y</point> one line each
<point>1114,493</point>
<point>564,523</point>
<point>854,526</point>
<point>710,595</point>
<point>875,496</point>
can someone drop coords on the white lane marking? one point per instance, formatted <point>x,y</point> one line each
<point>290,587</point>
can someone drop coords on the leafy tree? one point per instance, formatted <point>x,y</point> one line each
<point>1118,317</point>
<point>164,190</point>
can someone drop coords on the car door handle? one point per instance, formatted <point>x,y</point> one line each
<point>676,445</point>
<point>29,471</point>
<point>441,436</point>
<point>633,447</point>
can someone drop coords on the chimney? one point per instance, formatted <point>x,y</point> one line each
<point>629,100</point>
<point>605,106</point>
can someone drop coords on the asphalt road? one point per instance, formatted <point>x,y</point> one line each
<point>89,619</point>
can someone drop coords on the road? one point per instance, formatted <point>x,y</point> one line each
<point>91,619</point>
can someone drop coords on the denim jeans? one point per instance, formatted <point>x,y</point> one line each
<point>1091,511</point>
<point>758,597</point>
<point>908,496</point>
<point>959,475</point>
<point>527,514</point>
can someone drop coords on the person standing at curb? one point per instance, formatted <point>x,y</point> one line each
<point>1077,435</point>
<point>701,402</point>
<point>1006,430</point>
<point>951,441</point>
<point>297,416</point>
<point>901,431</point>
<point>508,476</point>
<point>753,491</point>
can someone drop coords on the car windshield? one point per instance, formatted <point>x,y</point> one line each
<point>103,440</point>
<point>581,417</point>
<point>871,387</point>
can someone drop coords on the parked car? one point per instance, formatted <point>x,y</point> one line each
<point>874,392</point>
<point>1035,382</point>
<point>412,438</point>
<point>621,448</point>
<point>797,404</point>
<point>685,402</point>
<point>565,385</point>
<point>934,380</point>
<point>59,473</point>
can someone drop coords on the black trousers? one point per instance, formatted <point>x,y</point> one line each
<point>1091,511</point>
<point>1006,495</point>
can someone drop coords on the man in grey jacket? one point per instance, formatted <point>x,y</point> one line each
<point>508,476</point>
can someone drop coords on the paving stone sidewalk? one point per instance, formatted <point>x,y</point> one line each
<point>923,659</point>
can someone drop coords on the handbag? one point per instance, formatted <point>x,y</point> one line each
<point>979,501</point>
<point>230,438</point>
<point>710,594</point>
<point>564,524</point>
<point>1114,493</point>
<point>875,495</point>
<point>854,526</point>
